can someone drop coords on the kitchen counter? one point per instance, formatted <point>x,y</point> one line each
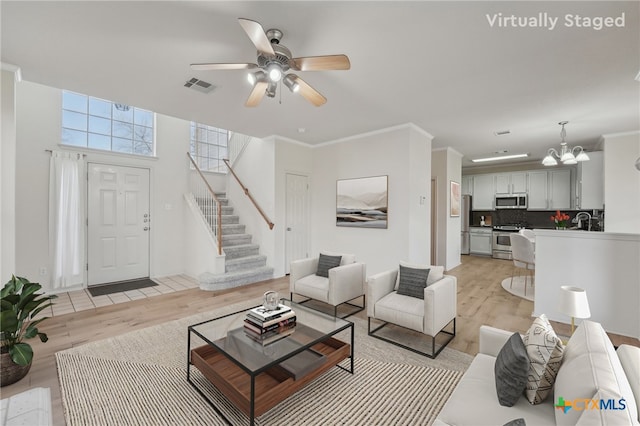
<point>605,264</point>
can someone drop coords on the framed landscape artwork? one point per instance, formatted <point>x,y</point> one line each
<point>362,202</point>
<point>455,199</point>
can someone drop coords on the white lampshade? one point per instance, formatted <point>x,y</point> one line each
<point>573,302</point>
<point>568,156</point>
<point>549,161</point>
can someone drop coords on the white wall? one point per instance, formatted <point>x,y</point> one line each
<point>7,176</point>
<point>256,169</point>
<point>605,264</point>
<point>38,113</point>
<point>621,183</point>
<point>403,154</point>
<point>446,166</point>
<point>291,157</point>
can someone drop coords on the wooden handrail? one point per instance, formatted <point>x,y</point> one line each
<point>215,197</point>
<point>246,192</point>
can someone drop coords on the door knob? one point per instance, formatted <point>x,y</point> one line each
<point>146,228</point>
<point>288,228</point>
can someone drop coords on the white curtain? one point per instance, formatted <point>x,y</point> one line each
<point>66,219</point>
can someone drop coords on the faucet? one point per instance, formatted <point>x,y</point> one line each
<point>579,219</point>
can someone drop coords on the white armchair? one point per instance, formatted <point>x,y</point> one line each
<point>344,283</point>
<point>429,316</point>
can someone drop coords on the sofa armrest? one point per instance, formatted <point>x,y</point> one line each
<point>346,282</point>
<point>492,339</point>
<point>630,359</point>
<point>378,286</point>
<point>300,269</point>
<point>440,304</point>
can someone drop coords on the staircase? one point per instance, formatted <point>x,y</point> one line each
<point>243,262</point>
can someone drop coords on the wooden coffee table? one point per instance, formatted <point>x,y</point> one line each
<point>256,377</point>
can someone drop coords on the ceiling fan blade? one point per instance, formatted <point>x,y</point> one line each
<point>257,35</point>
<point>309,93</point>
<point>321,63</point>
<point>217,67</point>
<point>257,94</point>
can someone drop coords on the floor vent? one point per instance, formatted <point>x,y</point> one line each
<point>199,85</point>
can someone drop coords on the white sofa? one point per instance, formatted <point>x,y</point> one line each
<point>591,370</point>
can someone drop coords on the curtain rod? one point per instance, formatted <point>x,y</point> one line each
<point>50,151</point>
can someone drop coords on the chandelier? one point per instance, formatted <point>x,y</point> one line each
<point>567,154</point>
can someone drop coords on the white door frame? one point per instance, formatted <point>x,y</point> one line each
<point>149,201</point>
<point>305,225</point>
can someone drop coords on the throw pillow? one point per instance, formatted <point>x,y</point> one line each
<point>412,281</point>
<point>325,263</point>
<point>436,273</point>
<point>545,351</point>
<point>511,371</point>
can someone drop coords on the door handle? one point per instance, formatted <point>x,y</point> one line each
<point>288,229</point>
<point>146,228</point>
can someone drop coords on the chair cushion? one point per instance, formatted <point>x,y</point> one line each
<point>313,286</point>
<point>412,281</point>
<point>436,273</point>
<point>326,262</point>
<point>545,351</point>
<point>401,310</point>
<point>511,371</point>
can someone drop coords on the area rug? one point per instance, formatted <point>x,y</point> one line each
<point>140,378</point>
<point>120,287</point>
<point>518,287</point>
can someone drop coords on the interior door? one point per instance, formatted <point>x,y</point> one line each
<point>118,223</point>
<point>296,220</point>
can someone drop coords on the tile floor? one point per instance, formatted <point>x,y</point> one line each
<point>81,300</point>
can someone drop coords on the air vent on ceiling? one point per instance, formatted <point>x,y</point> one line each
<point>199,85</point>
<point>502,132</point>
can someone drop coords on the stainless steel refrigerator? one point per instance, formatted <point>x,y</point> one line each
<point>465,221</point>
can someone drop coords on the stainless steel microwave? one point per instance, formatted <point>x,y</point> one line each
<point>511,201</point>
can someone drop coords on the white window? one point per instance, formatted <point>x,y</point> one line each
<point>95,123</point>
<point>209,147</point>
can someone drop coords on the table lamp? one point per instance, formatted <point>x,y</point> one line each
<point>574,303</point>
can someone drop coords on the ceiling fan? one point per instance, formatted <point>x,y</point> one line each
<point>273,63</point>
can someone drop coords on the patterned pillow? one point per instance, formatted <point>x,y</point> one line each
<point>412,281</point>
<point>545,351</point>
<point>325,263</point>
<point>511,370</point>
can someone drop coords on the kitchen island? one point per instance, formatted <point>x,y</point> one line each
<point>606,265</point>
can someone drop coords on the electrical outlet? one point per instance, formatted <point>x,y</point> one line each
<point>43,271</point>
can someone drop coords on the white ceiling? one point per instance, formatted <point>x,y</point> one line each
<point>438,65</point>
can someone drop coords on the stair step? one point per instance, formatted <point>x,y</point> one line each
<point>235,239</point>
<point>245,263</point>
<point>208,210</point>
<point>213,282</point>
<point>227,219</point>
<point>244,250</point>
<point>232,229</point>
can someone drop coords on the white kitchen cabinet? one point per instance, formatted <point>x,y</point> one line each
<point>480,240</point>
<point>511,183</point>
<point>467,185</point>
<point>590,183</point>
<point>483,192</point>
<point>538,190</point>
<point>559,189</point>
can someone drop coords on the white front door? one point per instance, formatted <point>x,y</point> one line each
<point>118,223</point>
<point>296,212</point>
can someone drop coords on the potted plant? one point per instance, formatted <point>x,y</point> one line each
<point>19,305</point>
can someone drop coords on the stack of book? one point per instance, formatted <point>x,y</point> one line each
<point>267,326</point>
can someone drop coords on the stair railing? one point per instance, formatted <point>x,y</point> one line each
<point>248,194</point>
<point>207,200</point>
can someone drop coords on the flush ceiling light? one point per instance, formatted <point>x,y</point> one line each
<point>566,155</point>
<point>498,158</point>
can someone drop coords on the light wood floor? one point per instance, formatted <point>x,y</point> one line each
<point>481,300</point>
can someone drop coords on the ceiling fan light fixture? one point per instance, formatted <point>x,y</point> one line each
<point>254,77</point>
<point>271,89</point>
<point>290,81</point>
<point>275,72</point>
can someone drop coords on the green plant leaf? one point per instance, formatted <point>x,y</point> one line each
<point>40,309</point>
<point>12,298</point>
<point>43,337</point>
<point>21,353</point>
<point>5,305</point>
<point>8,322</point>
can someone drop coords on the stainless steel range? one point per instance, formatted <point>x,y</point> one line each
<point>501,237</point>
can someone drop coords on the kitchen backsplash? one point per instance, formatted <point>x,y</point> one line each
<point>531,219</point>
